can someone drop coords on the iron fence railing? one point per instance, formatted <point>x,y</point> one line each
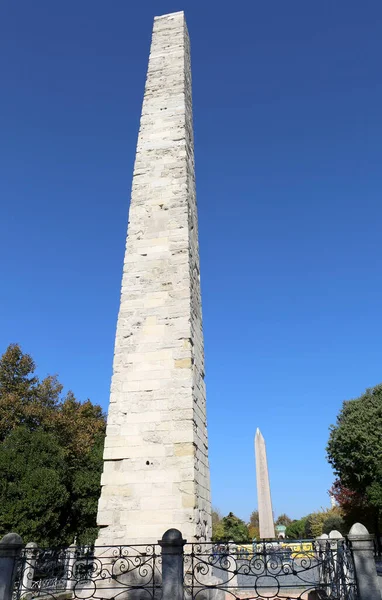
<point>220,571</point>
<point>99,572</point>
<point>270,570</point>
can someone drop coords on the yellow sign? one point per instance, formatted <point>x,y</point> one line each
<point>299,549</point>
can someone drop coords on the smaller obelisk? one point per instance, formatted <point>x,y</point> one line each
<point>266,524</point>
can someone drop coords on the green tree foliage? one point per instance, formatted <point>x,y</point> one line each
<point>317,523</point>
<point>216,518</point>
<point>253,525</point>
<point>335,522</point>
<point>296,529</point>
<point>355,449</point>
<point>314,524</point>
<point>218,532</point>
<point>33,486</point>
<point>24,400</point>
<point>50,456</point>
<point>231,528</point>
<point>254,519</point>
<point>283,520</point>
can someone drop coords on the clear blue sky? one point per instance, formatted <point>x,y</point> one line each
<point>287,109</point>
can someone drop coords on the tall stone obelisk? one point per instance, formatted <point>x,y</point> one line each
<point>156,472</point>
<point>264,501</point>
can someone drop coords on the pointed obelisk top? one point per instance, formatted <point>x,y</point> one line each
<point>173,14</point>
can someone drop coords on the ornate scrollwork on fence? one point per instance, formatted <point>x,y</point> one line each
<point>269,571</point>
<point>98,573</point>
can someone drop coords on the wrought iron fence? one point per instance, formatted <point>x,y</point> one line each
<point>268,570</point>
<point>100,572</point>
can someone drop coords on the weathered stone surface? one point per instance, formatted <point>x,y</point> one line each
<point>10,550</point>
<point>156,472</point>
<point>362,546</point>
<point>266,524</point>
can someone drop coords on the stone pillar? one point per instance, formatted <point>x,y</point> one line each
<point>10,550</point>
<point>362,545</point>
<point>70,564</point>
<point>172,545</point>
<point>338,578</point>
<point>156,472</point>
<point>322,549</point>
<point>266,524</point>
<point>31,550</point>
<point>335,537</point>
<point>322,540</point>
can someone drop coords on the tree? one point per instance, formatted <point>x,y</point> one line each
<point>33,486</point>
<point>254,526</point>
<point>49,496</point>
<point>355,449</point>
<point>296,529</point>
<point>78,425</point>
<point>216,518</point>
<point>218,532</point>
<point>254,519</point>
<point>354,507</point>
<point>315,521</point>
<point>335,522</point>
<point>24,400</point>
<point>84,493</point>
<point>231,528</point>
<point>283,520</point>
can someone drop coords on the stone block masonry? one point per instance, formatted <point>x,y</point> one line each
<point>156,472</point>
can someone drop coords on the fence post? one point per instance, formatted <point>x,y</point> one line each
<point>10,549</point>
<point>70,562</point>
<point>31,550</point>
<point>362,545</point>
<point>322,541</point>
<point>335,537</point>
<point>321,548</point>
<point>172,565</point>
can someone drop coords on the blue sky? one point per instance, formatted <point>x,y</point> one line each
<point>287,110</point>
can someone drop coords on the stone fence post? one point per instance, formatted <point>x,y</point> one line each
<point>335,539</point>
<point>172,565</point>
<point>321,547</point>
<point>321,542</point>
<point>70,564</point>
<point>10,550</point>
<point>362,545</point>
<point>31,551</point>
